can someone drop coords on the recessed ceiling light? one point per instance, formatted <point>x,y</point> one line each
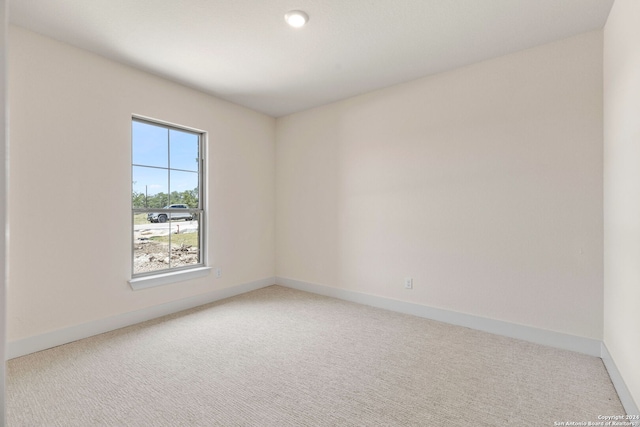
<point>296,18</point>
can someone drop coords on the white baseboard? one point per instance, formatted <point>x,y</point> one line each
<point>66,335</point>
<point>629,404</point>
<point>575,343</point>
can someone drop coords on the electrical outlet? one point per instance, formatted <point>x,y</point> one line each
<point>218,273</point>
<point>408,283</point>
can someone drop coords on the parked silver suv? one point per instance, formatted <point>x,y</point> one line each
<point>163,216</point>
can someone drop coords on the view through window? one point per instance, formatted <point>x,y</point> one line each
<point>166,197</point>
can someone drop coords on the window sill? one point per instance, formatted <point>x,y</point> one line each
<point>167,278</point>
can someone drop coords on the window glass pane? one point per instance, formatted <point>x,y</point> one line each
<point>184,188</point>
<point>185,242</point>
<point>150,187</point>
<point>150,245</point>
<point>184,150</point>
<point>165,172</point>
<point>150,145</point>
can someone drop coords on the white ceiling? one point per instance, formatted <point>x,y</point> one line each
<point>243,51</point>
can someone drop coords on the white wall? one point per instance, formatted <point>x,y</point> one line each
<point>70,184</point>
<point>484,184</point>
<point>3,198</point>
<point>622,191</point>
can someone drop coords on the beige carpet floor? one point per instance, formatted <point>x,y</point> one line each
<point>281,357</point>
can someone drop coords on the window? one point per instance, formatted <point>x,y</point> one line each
<point>167,198</point>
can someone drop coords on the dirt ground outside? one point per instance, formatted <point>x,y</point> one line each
<point>150,255</point>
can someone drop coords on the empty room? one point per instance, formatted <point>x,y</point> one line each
<point>320,213</point>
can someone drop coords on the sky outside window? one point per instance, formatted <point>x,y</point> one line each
<point>157,152</point>
<point>150,145</point>
<point>184,150</point>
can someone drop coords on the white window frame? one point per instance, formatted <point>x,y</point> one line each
<point>174,274</point>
